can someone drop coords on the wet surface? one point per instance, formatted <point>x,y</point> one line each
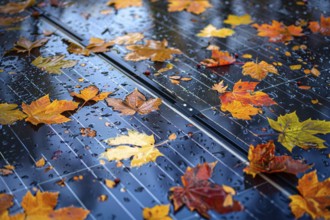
<point>72,155</point>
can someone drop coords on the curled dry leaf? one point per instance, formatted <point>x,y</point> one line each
<point>23,45</point>
<point>134,102</point>
<point>130,38</point>
<point>278,32</point>
<point>91,93</point>
<point>40,163</point>
<point>258,70</point>
<point>235,20</point>
<point>168,67</point>
<point>97,45</point>
<point>219,58</point>
<point>119,4</point>
<point>158,212</point>
<point>302,134</point>
<point>196,7</point>
<point>10,114</point>
<point>322,27</point>
<point>314,198</point>
<point>44,111</point>
<point>53,64</point>
<point>244,101</point>
<point>13,7</point>
<point>7,21</point>
<point>154,50</point>
<point>199,194</point>
<point>263,160</point>
<point>137,145</point>
<point>211,31</point>
<point>7,170</point>
<point>41,206</point>
<point>220,87</point>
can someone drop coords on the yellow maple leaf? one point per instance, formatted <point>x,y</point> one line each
<point>235,20</point>
<point>220,87</point>
<point>154,50</point>
<point>240,111</point>
<point>9,114</point>
<point>158,212</point>
<point>314,197</point>
<point>137,145</point>
<point>53,64</point>
<point>119,4</point>
<point>211,31</point>
<point>44,111</point>
<point>196,7</point>
<point>258,70</point>
<point>302,134</point>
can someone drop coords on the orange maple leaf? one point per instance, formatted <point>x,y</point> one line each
<point>323,27</point>
<point>258,70</point>
<point>134,102</point>
<point>90,93</point>
<point>278,32</point>
<point>263,160</point>
<point>44,111</point>
<point>243,92</point>
<point>154,50</point>
<point>196,7</point>
<point>219,58</point>
<point>314,198</point>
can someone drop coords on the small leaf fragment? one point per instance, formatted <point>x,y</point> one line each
<point>235,20</point>
<point>219,58</point>
<point>211,31</point>
<point>196,7</point>
<point>40,163</point>
<point>119,4</point>
<point>130,38</point>
<point>220,87</point>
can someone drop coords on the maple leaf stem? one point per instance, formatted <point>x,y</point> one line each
<point>161,143</point>
<point>82,105</point>
<point>265,135</point>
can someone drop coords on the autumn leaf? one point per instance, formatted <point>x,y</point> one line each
<point>7,170</point>
<point>53,64</point>
<point>158,212</point>
<point>263,160</point>
<point>302,134</point>
<point>258,70</point>
<point>199,194</point>
<point>10,114</point>
<point>6,201</point>
<point>44,111</point>
<point>119,4</point>
<point>220,87</point>
<point>137,145</point>
<point>278,32</point>
<point>13,7</point>
<point>41,206</point>
<point>40,163</point>
<point>97,45</point>
<point>219,58</point>
<point>87,132</point>
<point>211,31</point>
<point>90,93</point>
<point>314,198</point>
<point>77,49</point>
<point>135,102</point>
<point>235,20</point>
<point>322,27</point>
<point>109,183</point>
<point>23,45</point>
<point>243,101</point>
<point>130,38</point>
<point>154,50</point>
<point>7,21</point>
<point>196,7</point>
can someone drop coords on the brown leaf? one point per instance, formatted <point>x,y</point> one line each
<point>76,49</point>
<point>6,201</point>
<point>154,50</point>
<point>196,7</point>
<point>219,58</point>
<point>314,198</point>
<point>13,7</point>
<point>87,132</point>
<point>7,21</point>
<point>199,194</point>
<point>135,102</point>
<point>263,160</point>
<point>44,111</point>
<point>258,70</point>
<point>23,45</point>
<point>97,45</point>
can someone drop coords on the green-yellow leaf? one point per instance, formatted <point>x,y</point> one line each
<point>302,134</point>
<point>235,20</point>
<point>9,114</point>
<point>140,146</point>
<point>53,64</point>
<point>211,31</point>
